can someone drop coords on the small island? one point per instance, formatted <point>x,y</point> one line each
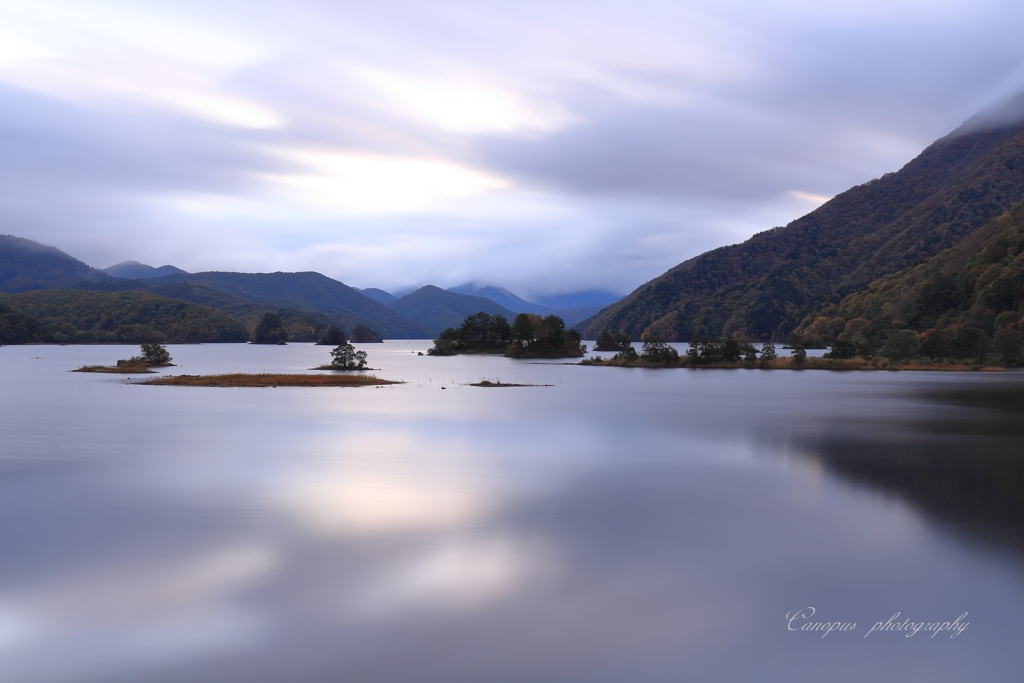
<point>529,336</point>
<point>269,380</point>
<point>721,353</point>
<point>153,356</point>
<point>345,357</point>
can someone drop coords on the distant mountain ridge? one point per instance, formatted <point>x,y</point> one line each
<point>133,270</point>
<point>310,292</point>
<point>25,265</point>
<point>378,295</point>
<point>572,308</point>
<point>502,297</point>
<point>307,302</point>
<point>765,287</point>
<point>437,308</point>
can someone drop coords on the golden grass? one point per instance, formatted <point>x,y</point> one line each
<point>269,380</point>
<point>117,369</point>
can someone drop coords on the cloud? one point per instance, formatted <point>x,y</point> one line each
<point>543,148</point>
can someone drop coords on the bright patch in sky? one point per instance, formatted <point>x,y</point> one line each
<point>458,104</point>
<point>381,184</point>
<point>223,109</point>
<point>14,49</point>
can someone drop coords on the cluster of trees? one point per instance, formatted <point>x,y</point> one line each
<point>17,327</point>
<point>957,344</point>
<point>952,302</point>
<point>703,351</point>
<point>529,336</point>
<point>478,333</point>
<point>612,341</point>
<point>537,337</point>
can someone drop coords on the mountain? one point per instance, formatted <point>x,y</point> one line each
<point>133,270</point>
<point>592,298</point>
<point>572,308</point>
<point>124,316</point>
<point>378,295</point>
<point>311,293</point>
<point>302,326</point>
<point>306,302</point>
<point>437,308</point>
<point>764,287</point>
<point>978,283</point>
<point>25,264</point>
<point>502,297</point>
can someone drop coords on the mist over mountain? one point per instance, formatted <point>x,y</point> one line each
<point>25,265</point>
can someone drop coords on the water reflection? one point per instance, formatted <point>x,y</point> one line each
<point>621,525</point>
<point>961,463</point>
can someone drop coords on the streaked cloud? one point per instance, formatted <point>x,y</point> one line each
<point>393,144</point>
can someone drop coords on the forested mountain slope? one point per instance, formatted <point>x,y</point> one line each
<point>764,287</point>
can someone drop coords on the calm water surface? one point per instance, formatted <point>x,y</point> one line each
<point>620,525</point>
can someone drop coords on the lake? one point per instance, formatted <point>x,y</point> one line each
<point>618,525</point>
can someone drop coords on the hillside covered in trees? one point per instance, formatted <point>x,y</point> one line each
<point>766,286</point>
<point>79,316</point>
<point>977,285</point>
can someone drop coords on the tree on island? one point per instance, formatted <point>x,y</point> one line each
<point>152,355</point>
<point>536,337</point>
<point>345,357</point>
<point>612,341</point>
<point>529,336</point>
<point>155,354</point>
<point>332,336</point>
<point>270,330</point>
<point>799,355</point>
<point>364,335</point>
<point>479,333</point>
<point>656,352</point>
<point>704,351</point>
<point>768,354</point>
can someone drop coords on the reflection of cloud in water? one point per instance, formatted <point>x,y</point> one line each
<point>379,483</point>
<point>345,502</point>
<point>159,613</point>
<point>455,575</point>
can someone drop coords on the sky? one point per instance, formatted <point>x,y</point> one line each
<point>547,147</point>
